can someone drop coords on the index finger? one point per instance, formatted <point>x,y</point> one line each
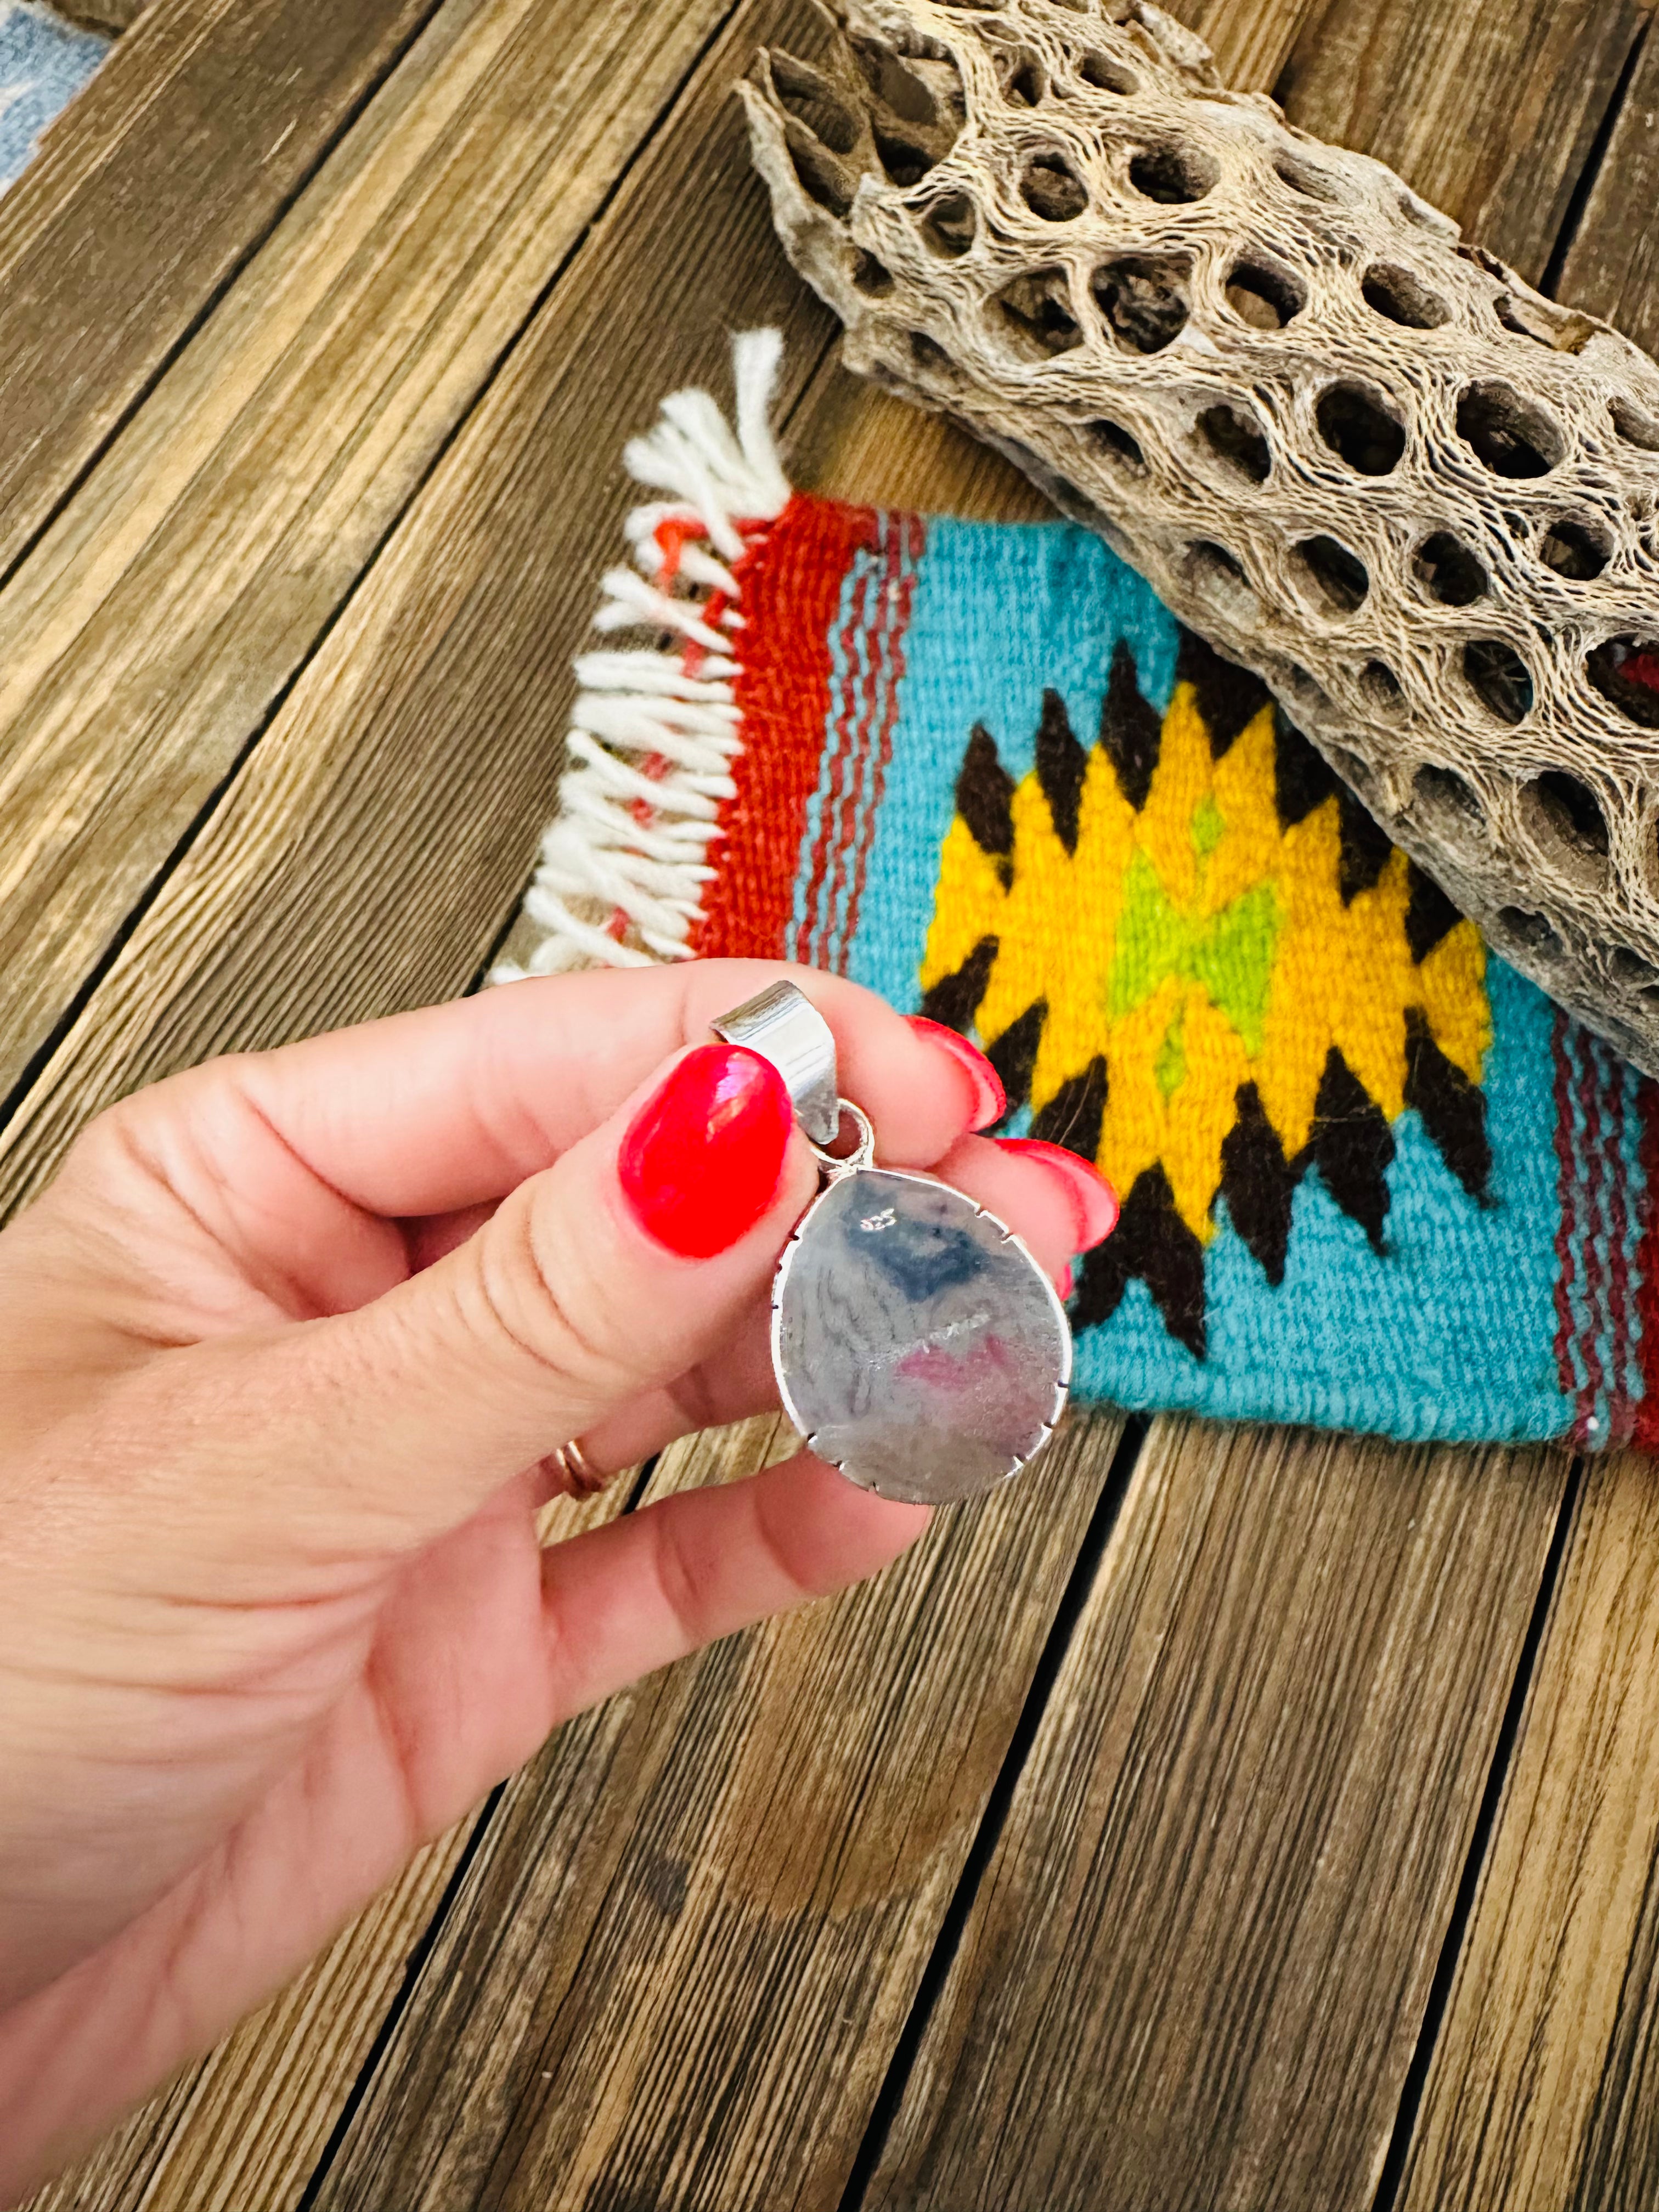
<point>455,1105</point>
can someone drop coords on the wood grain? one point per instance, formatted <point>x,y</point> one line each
<point>143,200</point>
<point>687,1947</point>
<point>1613,266</point>
<point>149,637</point>
<point>1489,112</point>
<point>326,889</point>
<point>1196,1966</point>
<point>1251,40</point>
<point>243,2131</point>
<point>1544,2088</point>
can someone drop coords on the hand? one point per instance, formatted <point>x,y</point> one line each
<point>284,1353</point>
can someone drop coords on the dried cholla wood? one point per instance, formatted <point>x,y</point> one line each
<point>101,15</point>
<point>1362,457</point>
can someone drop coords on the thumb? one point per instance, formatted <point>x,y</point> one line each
<point>610,1273</point>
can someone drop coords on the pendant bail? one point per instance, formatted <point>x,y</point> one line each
<point>783,1026</point>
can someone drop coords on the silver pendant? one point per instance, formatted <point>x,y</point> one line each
<point>917,1346</point>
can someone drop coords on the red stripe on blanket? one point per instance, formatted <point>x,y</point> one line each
<point>789,585</point>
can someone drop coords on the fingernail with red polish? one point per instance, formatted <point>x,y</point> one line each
<point>990,1099</point>
<point>1093,1199</point>
<point>702,1157</point>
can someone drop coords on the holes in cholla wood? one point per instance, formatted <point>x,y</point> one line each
<point>1112,440</point>
<point>1360,429</point>
<point>1309,696</point>
<point>1499,678</point>
<point>1106,75</point>
<point>1513,436</point>
<point>821,178</point>
<point>815,103</point>
<point>1576,551</point>
<point>1036,312</point>
<point>905,162</point>
<point>1026,83</point>
<point>1442,799</point>
<point>1449,571</point>
<point>1355,772</point>
<point>899,89</point>
<point>1625,671</point>
<point>1565,816</point>
<point>1143,300</point>
<point>1526,932</point>
<point>928,353</point>
<point>1051,188</point>
<point>871,277</point>
<point>1396,294</point>
<point>1173,175</point>
<point>1340,579</point>
<point>1217,575</point>
<point>1380,688</point>
<point>949,225</point>
<point>1634,427</point>
<point>1264,295</point>
<point>1237,440</point>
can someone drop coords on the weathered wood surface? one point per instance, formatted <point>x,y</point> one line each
<point>1490,108</point>
<point>1280,1689</point>
<point>290,913</point>
<point>1197,1963</point>
<point>172,166</point>
<point>1613,266</point>
<point>197,567</point>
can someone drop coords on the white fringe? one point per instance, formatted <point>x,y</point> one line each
<point>654,733</point>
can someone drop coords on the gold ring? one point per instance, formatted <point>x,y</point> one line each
<point>578,1476</point>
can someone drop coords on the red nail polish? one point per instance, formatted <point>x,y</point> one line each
<point>702,1157</point>
<point>990,1099</point>
<point>1065,1281</point>
<point>1092,1197</point>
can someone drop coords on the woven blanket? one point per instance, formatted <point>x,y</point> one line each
<point>1371,1178</point>
<point>44,63</point>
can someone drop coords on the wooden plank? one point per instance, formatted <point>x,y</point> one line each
<point>147,638</point>
<point>144,198</point>
<point>1613,266</point>
<point>1542,2090</point>
<point>687,1947</point>
<point>1491,112</point>
<point>246,2127</point>
<point>1251,40</point>
<point>1196,1966</point>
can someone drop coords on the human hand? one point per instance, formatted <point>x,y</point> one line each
<point>284,1353</point>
